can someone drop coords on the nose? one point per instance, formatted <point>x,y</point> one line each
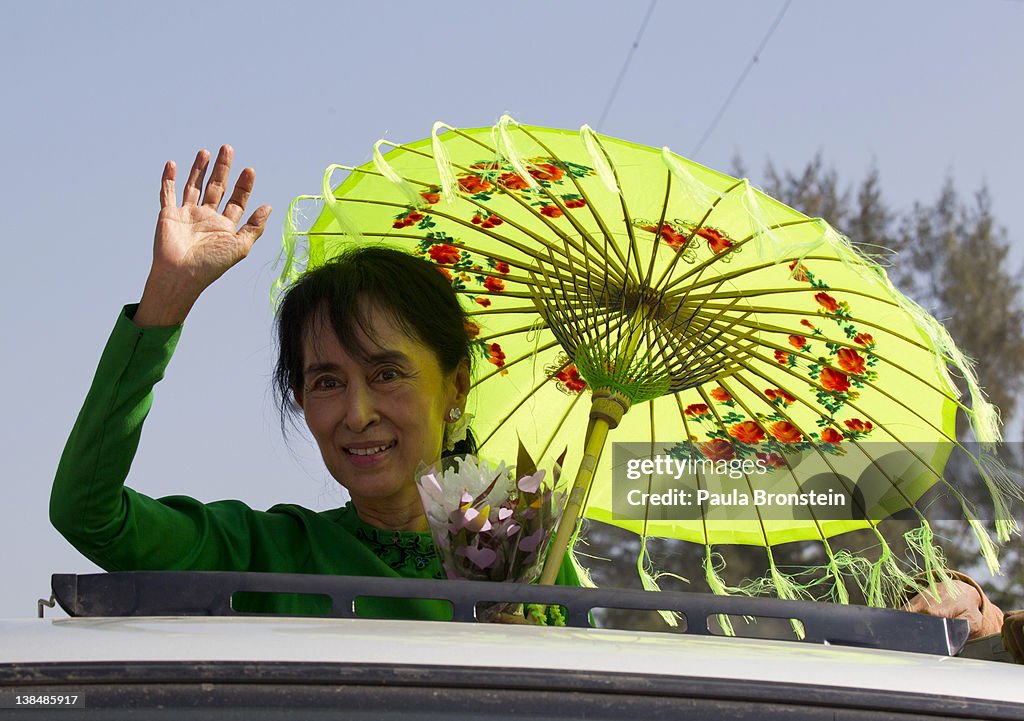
<point>361,412</point>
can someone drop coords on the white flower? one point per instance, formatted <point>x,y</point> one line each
<point>442,493</point>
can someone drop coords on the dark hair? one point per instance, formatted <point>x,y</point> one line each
<point>412,291</point>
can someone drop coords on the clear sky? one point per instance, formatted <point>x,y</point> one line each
<point>96,96</point>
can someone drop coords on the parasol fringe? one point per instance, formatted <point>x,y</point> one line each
<point>582,572</point>
<point>770,243</point>
<point>290,256</point>
<point>700,194</point>
<point>415,199</point>
<point>597,157</point>
<point>1001,485</point>
<point>650,582</point>
<point>853,567</point>
<point>835,569</point>
<point>335,207</point>
<point>786,589</point>
<point>443,161</point>
<point>988,549</point>
<point>921,541</point>
<point>287,257</point>
<point>888,580</point>
<point>717,585</point>
<point>502,140</point>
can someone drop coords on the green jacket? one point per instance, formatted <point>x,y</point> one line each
<point>120,529</point>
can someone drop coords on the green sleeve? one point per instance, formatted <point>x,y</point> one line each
<point>116,527</point>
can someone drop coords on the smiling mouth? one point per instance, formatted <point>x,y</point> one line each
<point>371,451</point>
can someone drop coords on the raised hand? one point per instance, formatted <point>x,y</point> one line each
<point>195,242</point>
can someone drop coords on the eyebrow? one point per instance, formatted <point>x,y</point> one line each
<point>390,356</point>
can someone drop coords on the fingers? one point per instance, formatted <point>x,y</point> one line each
<point>219,178</point>
<point>194,185</point>
<point>240,196</point>
<point>167,193</point>
<point>254,227</point>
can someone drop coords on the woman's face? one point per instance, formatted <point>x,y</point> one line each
<point>375,420</point>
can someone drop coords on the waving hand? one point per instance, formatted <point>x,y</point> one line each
<point>197,242</point>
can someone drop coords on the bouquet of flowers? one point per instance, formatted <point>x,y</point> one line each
<point>489,523</point>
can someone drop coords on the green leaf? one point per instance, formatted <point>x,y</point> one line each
<point>525,465</point>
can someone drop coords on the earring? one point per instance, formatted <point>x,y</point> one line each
<point>458,425</point>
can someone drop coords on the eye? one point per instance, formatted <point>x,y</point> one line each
<point>324,384</point>
<point>387,375</point>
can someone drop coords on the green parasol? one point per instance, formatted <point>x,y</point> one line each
<point>618,287</point>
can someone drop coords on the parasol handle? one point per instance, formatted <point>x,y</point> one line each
<point>607,409</point>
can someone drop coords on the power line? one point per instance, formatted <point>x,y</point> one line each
<point>743,76</point>
<point>625,65</point>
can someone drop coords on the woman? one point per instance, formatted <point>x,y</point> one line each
<point>374,353</point>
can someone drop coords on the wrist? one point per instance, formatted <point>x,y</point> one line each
<point>164,303</point>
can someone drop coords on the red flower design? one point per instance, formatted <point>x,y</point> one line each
<point>512,181</point>
<point>772,460</point>
<point>827,302</point>
<point>546,171</point>
<point>672,237</point>
<point>570,378</point>
<point>718,450</point>
<point>851,361</point>
<point>496,285</point>
<point>720,394</point>
<point>797,341</point>
<point>472,329</point>
<point>807,323</point>
<point>431,196</point>
<point>482,301</point>
<point>863,339</point>
<point>486,221</point>
<point>696,409</point>
<point>574,202</point>
<point>747,432</point>
<point>785,432</point>
<point>782,357</point>
<point>858,426</point>
<point>497,356</point>
<point>779,394</point>
<point>668,234</point>
<point>833,380</point>
<point>414,217</point>
<point>799,271</point>
<point>445,254</point>
<point>551,211</point>
<point>501,266</point>
<point>831,435</point>
<point>716,240</point>
<point>474,184</point>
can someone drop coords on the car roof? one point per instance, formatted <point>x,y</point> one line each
<point>439,645</point>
